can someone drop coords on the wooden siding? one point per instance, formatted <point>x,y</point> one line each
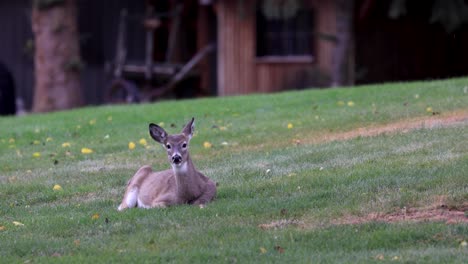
<point>273,77</point>
<point>326,24</point>
<point>236,47</point>
<point>240,72</point>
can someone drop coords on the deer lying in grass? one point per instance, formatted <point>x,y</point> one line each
<point>182,184</point>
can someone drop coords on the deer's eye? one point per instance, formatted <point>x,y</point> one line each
<point>184,145</point>
<point>168,146</point>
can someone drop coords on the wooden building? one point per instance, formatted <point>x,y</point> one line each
<point>263,48</point>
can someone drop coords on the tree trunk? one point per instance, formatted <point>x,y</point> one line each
<point>341,73</point>
<point>57,56</point>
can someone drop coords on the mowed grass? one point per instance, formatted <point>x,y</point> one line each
<point>266,174</point>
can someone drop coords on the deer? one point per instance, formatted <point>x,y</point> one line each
<point>182,184</point>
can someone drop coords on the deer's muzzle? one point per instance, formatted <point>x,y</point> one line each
<point>176,159</point>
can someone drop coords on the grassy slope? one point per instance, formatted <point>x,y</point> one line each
<point>313,183</point>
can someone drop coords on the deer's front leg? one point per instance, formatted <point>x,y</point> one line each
<point>207,196</point>
<point>164,201</point>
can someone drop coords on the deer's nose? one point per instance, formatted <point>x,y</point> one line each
<point>176,159</point>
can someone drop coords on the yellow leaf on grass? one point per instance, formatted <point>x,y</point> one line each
<point>36,142</point>
<point>66,145</point>
<point>49,139</point>
<point>95,216</point>
<point>36,154</point>
<point>263,250</point>
<point>143,142</point>
<point>290,126</point>
<point>429,109</point>
<point>131,145</point>
<point>2,228</point>
<point>207,145</point>
<point>350,103</point>
<point>57,187</point>
<point>86,151</point>
<point>16,223</point>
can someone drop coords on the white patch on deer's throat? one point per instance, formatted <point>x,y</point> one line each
<point>181,168</point>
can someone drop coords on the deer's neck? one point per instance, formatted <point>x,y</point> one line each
<point>185,176</point>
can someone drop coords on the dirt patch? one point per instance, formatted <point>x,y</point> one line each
<point>441,213</point>
<point>281,224</point>
<point>402,126</point>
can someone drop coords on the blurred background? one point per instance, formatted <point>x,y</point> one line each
<point>62,54</point>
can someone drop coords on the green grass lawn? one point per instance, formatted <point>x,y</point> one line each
<point>267,172</point>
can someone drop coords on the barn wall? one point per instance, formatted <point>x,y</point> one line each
<point>240,72</point>
<point>236,47</point>
<point>293,74</point>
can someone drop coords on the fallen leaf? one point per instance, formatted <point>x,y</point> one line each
<point>207,145</point>
<point>49,139</point>
<point>380,257</point>
<point>66,145</point>
<point>429,109</point>
<point>2,228</point>
<point>36,154</point>
<point>350,103</point>
<point>131,145</point>
<point>109,118</point>
<point>143,142</point>
<point>279,249</point>
<point>11,140</point>
<point>290,126</point>
<point>86,151</point>
<point>263,250</point>
<point>57,187</point>
<point>463,243</point>
<point>92,121</point>
<point>36,142</point>
<point>95,216</point>
<point>16,223</point>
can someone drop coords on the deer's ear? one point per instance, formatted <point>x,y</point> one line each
<point>157,133</point>
<point>189,128</point>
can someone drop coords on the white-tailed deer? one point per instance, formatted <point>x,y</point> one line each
<point>182,184</point>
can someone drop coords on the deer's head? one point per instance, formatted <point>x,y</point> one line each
<point>176,145</point>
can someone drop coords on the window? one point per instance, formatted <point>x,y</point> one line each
<point>284,28</point>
